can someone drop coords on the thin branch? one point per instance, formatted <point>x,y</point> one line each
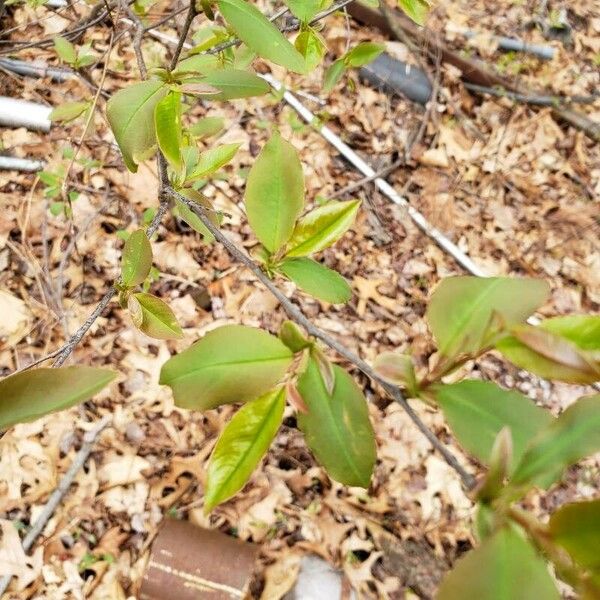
<point>137,41</point>
<point>296,314</point>
<point>184,33</point>
<point>356,185</point>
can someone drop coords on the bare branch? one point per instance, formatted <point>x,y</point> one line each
<point>184,33</point>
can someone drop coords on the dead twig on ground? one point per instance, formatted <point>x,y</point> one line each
<point>59,493</point>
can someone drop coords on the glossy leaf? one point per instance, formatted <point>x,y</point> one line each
<point>478,410</point>
<point>337,426</point>
<point>275,193</point>
<point>291,335</point>
<point>29,395</point>
<point>234,83</point>
<point>397,369</point>
<point>417,10</point>
<point>136,260</point>
<point>312,47</point>
<point>571,437</point>
<point>229,364</point>
<point>167,120</point>
<point>563,348</point>
<point>130,112</point>
<point>504,567</point>
<point>306,10</point>
<point>192,219</point>
<point>317,280</point>
<point>332,75</point>
<point>576,527</point>
<point>462,309</point>
<point>207,127</point>
<point>259,34</point>
<point>362,54</point>
<point>322,227</point>
<point>212,160</point>
<point>154,317</point>
<point>581,330</point>
<point>240,447</point>
<point>68,111</point>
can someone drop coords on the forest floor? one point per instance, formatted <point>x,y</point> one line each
<point>509,184</point>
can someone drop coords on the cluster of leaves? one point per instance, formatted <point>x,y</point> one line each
<point>523,445</point>
<point>274,203</point>
<point>237,364</point>
<point>149,314</point>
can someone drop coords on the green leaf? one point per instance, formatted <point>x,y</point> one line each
<point>275,193</point>
<point>312,47</point>
<point>503,567</point>
<point>130,113</point>
<point>317,280</point>
<point>478,410</point>
<point>29,395</point>
<point>462,309</point>
<point>207,127</point>
<point>65,50</point>
<point>337,426</point>
<point>576,527</point>
<point>291,335</point>
<point>240,447</point>
<point>562,348</point>
<point>582,330</point>
<point>136,260</point>
<point>417,10</point>
<point>68,111</point>
<point>259,34</point>
<point>192,219</point>
<point>229,364</point>
<point>212,160</point>
<point>363,53</point>
<point>306,10</point>
<point>208,37</point>
<point>201,64</point>
<point>332,75</point>
<point>397,369</point>
<point>322,227</point>
<point>234,83</point>
<point>167,120</point>
<point>571,437</point>
<point>154,317</point>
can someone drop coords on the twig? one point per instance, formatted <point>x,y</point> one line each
<point>535,99</point>
<point>59,493</point>
<point>72,34</point>
<point>137,41</point>
<point>352,187</point>
<point>184,33</point>
<point>296,314</point>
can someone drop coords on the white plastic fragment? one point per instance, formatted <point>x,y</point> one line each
<point>22,113</point>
